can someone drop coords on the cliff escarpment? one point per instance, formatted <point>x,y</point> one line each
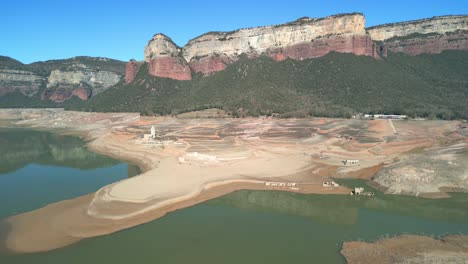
<point>302,39</point>
<point>432,35</point>
<point>60,80</point>
<point>164,59</point>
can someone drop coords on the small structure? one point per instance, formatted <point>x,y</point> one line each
<point>330,184</point>
<point>281,184</point>
<point>382,116</point>
<point>360,191</point>
<point>198,158</point>
<point>350,162</point>
<point>153,132</point>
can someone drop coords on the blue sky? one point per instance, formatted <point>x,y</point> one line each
<point>37,30</point>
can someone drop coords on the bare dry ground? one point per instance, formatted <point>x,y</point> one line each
<point>408,249</point>
<point>193,160</point>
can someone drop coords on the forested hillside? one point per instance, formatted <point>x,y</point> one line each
<point>336,85</point>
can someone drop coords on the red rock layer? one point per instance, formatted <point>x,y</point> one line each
<point>65,92</point>
<point>429,44</point>
<point>57,95</point>
<point>359,45</point>
<point>170,67</point>
<point>209,65</point>
<point>4,90</point>
<point>82,93</point>
<point>131,70</point>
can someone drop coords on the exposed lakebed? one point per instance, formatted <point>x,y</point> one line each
<point>38,168</point>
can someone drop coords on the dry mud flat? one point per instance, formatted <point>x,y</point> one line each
<point>193,160</point>
<point>408,249</point>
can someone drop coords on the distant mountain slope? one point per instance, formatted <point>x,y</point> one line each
<point>330,66</point>
<point>334,85</point>
<point>304,38</point>
<point>58,80</point>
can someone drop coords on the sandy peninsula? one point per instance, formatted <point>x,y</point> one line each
<point>192,160</point>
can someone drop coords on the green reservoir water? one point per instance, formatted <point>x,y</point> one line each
<point>37,168</point>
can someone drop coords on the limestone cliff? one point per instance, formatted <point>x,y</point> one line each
<point>61,85</point>
<point>26,82</point>
<point>440,25</point>
<point>432,35</point>
<point>59,80</point>
<point>164,59</point>
<point>301,39</point>
<point>432,43</point>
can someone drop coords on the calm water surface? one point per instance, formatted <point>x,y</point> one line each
<point>37,168</point>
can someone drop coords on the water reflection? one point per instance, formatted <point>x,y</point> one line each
<point>39,168</point>
<point>343,209</point>
<point>133,170</point>
<point>19,147</point>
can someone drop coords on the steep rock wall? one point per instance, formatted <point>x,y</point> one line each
<point>260,39</point>
<point>301,39</point>
<point>131,69</point>
<point>432,35</point>
<point>61,84</point>
<point>304,38</point>
<point>60,79</point>
<point>439,25</point>
<point>359,45</point>
<point>26,82</point>
<point>164,59</point>
<point>429,43</point>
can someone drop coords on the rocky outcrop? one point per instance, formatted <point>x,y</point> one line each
<point>429,43</point>
<point>131,69</point>
<point>26,82</point>
<point>209,64</point>
<point>259,40</point>
<point>164,59</point>
<point>440,25</point>
<point>301,39</point>
<point>432,35</point>
<point>60,79</point>
<point>359,45</point>
<point>62,84</point>
<point>437,169</point>
<point>82,93</point>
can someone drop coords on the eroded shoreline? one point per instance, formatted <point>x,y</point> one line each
<point>408,249</point>
<point>192,161</point>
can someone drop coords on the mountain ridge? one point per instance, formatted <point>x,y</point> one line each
<point>67,82</point>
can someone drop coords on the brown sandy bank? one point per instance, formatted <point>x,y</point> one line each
<point>192,160</point>
<point>66,222</point>
<point>408,249</point>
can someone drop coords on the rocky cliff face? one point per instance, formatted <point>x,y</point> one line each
<point>164,59</point>
<point>440,25</point>
<point>61,85</point>
<point>59,80</point>
<point>26,82</point>
<point>432,35</point>
<point>131,69</point>
<point>301,39</point>
<point>428,43</point>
